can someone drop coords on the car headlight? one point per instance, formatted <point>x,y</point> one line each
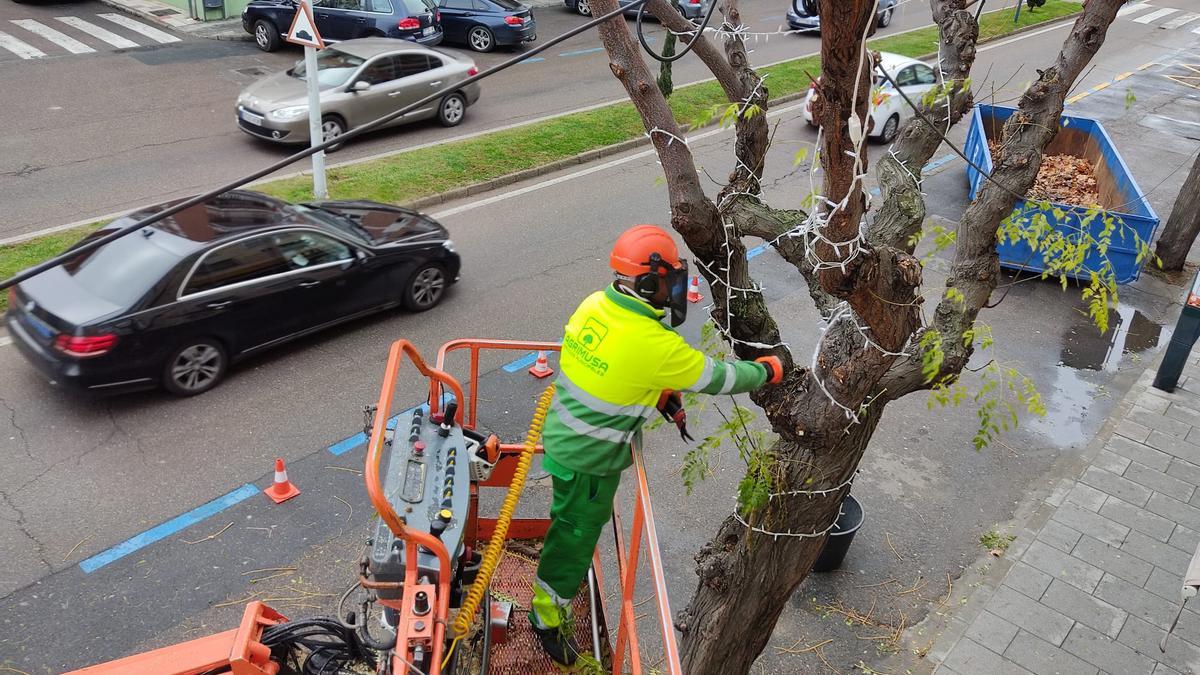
<point>449,246</point>
<point>289,113</point>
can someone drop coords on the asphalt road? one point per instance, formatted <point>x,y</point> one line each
<point>102,132</point>
<point>82,475</point>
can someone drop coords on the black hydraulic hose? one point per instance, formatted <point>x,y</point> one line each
<point>712,6</point>
<point>201,198</point>
<point>487,631</point>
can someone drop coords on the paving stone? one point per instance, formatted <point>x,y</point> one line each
<point>1180,655</point>
<point>1163,669</point>
<point>1138,519</point>
<point>1059,565</point>
<point>1062,537</point>
<point>1157,553</point>
<point>1109,531</point>
<point>1173,445</point>
<point>1059,493</point>
<point>1173,509</point>
<point>1157,422</point>
<point>1100,650</point>
<point>1132,431</point>
<point>1110,461</point>
<point>1090,498</point>
<point>1184,538</point>
<point>1185,471</point>
<point>1159,481</point>
<point>1148,401</point>
<point>1113,560</point>
<point>1114,485</point>
<point>1030,615</point>
<point>1166,586</point>
<point>1182,412</point>
<point>1139,602</point>
<point>969,656</point>
<point>1095,613</point>
<point>1046,659</point>
<point>1030,581</point>
<point>1138,452</point>
<point>992,632</point>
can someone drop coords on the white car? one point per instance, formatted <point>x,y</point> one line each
<point>888,110</point>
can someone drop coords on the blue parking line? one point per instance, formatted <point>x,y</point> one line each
<point>534,59</point>
<point>579,52</point>
<point>523,362</point>
<point>756,251</point>
<point>938,162</point>
<point>167,529</point>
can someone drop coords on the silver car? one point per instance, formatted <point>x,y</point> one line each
<point>360,80</point>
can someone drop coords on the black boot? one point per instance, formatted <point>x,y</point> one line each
<point>559,645</point>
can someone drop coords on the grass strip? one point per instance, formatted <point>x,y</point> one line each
<point>419,173</point>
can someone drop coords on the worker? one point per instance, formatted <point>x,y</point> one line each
<point>619,363</point>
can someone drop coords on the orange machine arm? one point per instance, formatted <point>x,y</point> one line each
<point>400,349</point>
<point>239,650</point>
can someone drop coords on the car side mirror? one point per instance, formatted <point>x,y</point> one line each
<point>361,85</point>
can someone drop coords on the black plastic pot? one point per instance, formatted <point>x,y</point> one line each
<point>838,541</point>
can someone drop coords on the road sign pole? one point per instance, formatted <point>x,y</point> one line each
<point>314,121</point>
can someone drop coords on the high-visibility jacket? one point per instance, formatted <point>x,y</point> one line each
<point>617,358</point>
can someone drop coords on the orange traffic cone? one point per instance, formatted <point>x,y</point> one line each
<point>694,289</point>
<point>283,489</point>
<point>541,367</point>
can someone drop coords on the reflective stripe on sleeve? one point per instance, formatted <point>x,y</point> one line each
<point>583,428</point>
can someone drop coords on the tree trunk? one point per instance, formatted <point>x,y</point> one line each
<point>1183,225</point>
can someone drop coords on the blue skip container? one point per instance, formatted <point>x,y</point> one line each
<point>1120,195</point>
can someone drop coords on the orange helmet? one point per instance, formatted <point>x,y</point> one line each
<point>631,254</point>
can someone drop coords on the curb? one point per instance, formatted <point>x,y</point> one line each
<point>234,34</point>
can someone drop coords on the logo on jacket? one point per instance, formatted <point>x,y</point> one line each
<point>592,334</point>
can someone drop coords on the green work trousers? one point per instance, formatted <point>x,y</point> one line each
<point>582,505</point>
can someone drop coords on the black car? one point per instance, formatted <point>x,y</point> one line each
<point>484,24</point>
<point>178,301</point>
<point>417,20</point>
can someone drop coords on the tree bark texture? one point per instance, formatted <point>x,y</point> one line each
<point>825,418</point>
<point>1183,225</point>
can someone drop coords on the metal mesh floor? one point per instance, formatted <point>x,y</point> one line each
<point>522,654</point>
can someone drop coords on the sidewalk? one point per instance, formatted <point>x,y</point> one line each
<point>1093,581</point>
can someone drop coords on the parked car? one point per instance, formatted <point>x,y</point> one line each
<point>361,81</point>
<point>176,303</point>
<point>483,25</point>
<point>888,110</point>
<point>416,20</point>
<point>798,19</point>
<point>690,9</point>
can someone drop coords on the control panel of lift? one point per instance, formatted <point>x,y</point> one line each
<point>429,467</point>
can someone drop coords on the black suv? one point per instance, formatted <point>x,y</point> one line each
<point>417,20</point>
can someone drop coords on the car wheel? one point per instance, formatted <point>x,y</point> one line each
<point>889,129</point>
<point>885,17</point>
<point>195,367</point>
<point>332,127</point>
<point>426,288</point>
<point>266,36</point>
<point>584,7</point>
<point>481,39</point>
<point>452,110</point>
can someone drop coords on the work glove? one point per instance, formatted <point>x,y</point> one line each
<point>774,368</point>
<point>670,404</point>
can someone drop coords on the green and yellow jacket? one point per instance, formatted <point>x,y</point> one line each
<point>617,358</point>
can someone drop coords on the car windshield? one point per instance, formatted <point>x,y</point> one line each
<point>509,5</point>
<point>335,220</point>
<point>334,68</point>
<point>123,270</point>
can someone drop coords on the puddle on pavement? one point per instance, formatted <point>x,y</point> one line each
<point>1087,361</point>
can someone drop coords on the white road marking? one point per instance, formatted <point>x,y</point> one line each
<point>584,172</point>
<point>1133,9</point>
<point>1147,18</point>
<point>98,32</point>
<point>137,26</point>
<point>5,341</point>
<point>1179,21</point>
<point>61,39</point>
<point>21,49</point>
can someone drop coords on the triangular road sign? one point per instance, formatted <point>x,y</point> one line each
<point>304,29</point>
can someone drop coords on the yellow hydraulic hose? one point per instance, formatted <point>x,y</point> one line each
<point>495,547</point>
